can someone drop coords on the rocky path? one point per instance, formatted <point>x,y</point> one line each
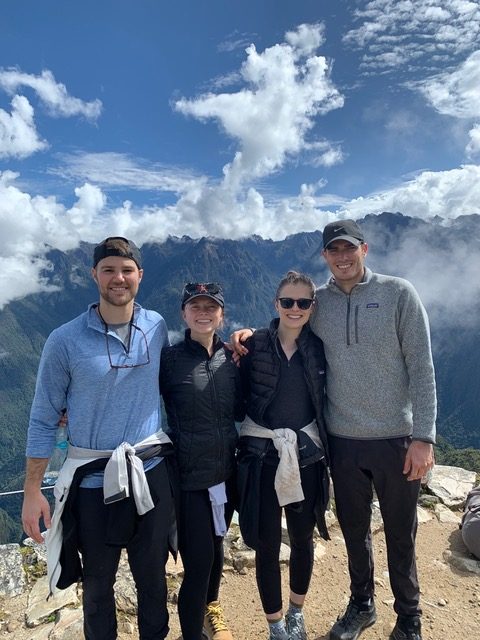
<point>451,597</point>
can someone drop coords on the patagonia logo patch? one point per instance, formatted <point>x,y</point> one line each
<point>372,305</point>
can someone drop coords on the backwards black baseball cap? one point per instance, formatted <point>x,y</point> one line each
<point>117,246</point>
<point>343,230</point>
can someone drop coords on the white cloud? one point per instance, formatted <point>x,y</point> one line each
<point>447,194</point>
<point>447,287</point>
<point>327,155</point>
<point>52,94</point>
<point>473,147</point>
<point>286,87</point>
<point>116,170</point>
<point>271,118</point>
<point>235,41</point>
<point>443,28</point>
<point>456,93</point>
<point>306,38</point>
<point>33,224</point>
<point>18,134</point>
<point>21,276</point>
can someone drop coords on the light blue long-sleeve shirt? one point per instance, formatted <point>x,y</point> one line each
<point>105,406</point>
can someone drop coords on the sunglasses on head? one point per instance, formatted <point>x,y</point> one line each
<point>302,303</point>
<point>201,287</point>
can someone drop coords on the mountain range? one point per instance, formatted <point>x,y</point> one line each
<point>442,259</point>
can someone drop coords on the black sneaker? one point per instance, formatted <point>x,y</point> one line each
<point>407,628</point>
<point>356,618</point>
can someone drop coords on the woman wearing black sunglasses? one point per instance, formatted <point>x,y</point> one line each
<point>202,394</point>
<point>282,460</point>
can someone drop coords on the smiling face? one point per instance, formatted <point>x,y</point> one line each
<point>118,280</point>
<point>203,316</point>
<point>346,262</point>
<point>294,318</point>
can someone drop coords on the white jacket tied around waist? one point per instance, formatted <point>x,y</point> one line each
<point>288,486</point>
<point>115,487</point>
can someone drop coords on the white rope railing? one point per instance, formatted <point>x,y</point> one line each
<point>11,493</point>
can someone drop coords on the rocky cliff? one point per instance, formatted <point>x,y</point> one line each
<point>450,580</point>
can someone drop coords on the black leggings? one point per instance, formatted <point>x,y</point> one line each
<point>300,525</point>
<point>202,557</point>
<point>147,548</point>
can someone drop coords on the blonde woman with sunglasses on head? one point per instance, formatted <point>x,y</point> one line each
<point>201,390</point>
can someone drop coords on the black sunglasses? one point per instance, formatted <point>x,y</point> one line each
<point>302,303</point>
<point>133,365</point>
<point>201,287</point>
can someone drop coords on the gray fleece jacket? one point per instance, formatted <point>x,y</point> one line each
<point>380,376</point>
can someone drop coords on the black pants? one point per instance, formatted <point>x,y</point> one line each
<point>300,525</point>
<point>357,466</point>
<point>202,556</point>
<point>146,540</point>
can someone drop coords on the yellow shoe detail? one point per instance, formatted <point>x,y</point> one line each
<point>214,624</point>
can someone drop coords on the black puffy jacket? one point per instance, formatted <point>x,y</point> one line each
<point>262,372</point>
<point>203,398</point>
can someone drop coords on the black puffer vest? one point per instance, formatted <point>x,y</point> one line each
<point>202,397</point>
<point>264,373</point>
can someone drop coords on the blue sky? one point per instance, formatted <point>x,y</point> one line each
<point>224,118</point>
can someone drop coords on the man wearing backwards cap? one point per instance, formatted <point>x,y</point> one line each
<point>103,368</point>
<point>380,416</point>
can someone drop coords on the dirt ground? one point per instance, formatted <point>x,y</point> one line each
<point>450,598</point>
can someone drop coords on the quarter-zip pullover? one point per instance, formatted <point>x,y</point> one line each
<point>380,380</point>
<point>105,405</point>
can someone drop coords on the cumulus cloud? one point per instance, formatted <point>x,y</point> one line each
<point>326,154</point>
<point>18,134</point>
<point>456,93</point>
<point>31,225</point>
<point>21,276</point>
<point>473,147</point>
<point>271,118</point>
<point>421,33</point>
<point>286,87</point>
<point>306,38</point>
<point>447,194</point>
<point>52,94</point>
